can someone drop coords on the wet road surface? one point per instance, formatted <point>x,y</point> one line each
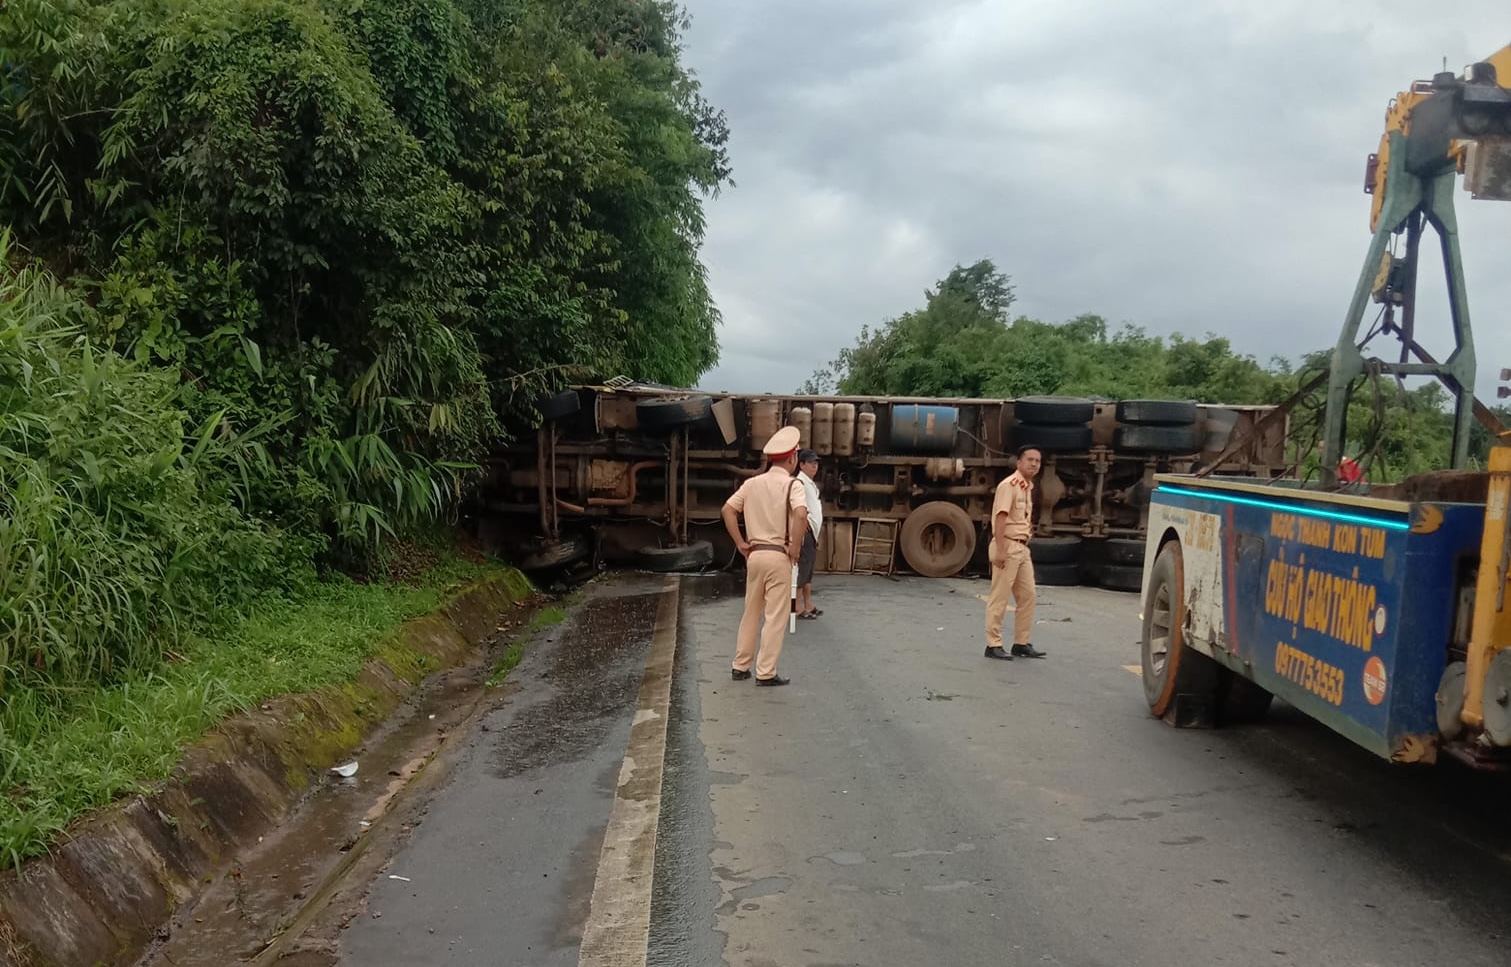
<point>905,801</point>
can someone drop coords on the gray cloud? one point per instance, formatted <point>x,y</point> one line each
<point>1183,167</point>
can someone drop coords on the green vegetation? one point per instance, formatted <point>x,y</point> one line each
<point>964,343</point>
<point>63,758</point>
<point>514,651</point>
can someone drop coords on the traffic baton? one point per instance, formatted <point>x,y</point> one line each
<point>792,614</point>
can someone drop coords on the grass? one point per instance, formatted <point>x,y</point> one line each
<point>515,650</point>
<point>61,761</point>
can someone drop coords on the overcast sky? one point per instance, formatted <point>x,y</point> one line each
<point>1185,167</point>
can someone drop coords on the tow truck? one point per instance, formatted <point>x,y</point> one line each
<point>1379,610</point>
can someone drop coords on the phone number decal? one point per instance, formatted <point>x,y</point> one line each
<point>1311,673</point>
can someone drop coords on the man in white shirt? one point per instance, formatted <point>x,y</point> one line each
<point>807,469</point>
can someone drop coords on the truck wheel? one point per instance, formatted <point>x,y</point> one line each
<point>1120,577</point>
<point>549,554</point>
<point>1053,438</point>
<point>1170,669</point>
<point>1057,575</point>
<point>938,539</point>
<point>691,557</point>
<point>565,403</point>
<point>663,414</point>
<point>1240,700</point>
<point>1158,439</point>
<point>1157,412</point>
<point>1053,409</point>
<point>1120,550</point>
<point>1054,550</point>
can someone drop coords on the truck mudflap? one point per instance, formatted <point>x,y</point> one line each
<point>1341,605</point>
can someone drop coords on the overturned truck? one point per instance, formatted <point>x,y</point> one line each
<point>638,473</point>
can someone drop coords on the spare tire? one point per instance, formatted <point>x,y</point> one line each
<point>1053,439</point>
<point>565,403</point>
<point>1056,410</point>
<point>669,414</point>
<point>690,557</point>
<point>1157,412</point>
<point>938,539</point>
<point>1157,439</point>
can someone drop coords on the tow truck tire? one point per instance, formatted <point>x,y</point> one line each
<point>549,554</point>
<point>690,557</point>
<point>1054,438</point>
<point>654,415</point>
<point>1059,410</point>
<point>1054,550</point>
<point>1158,439</point>
<point>1171,670</point>
<point>554,407</point>
<point>1157,412</point>
<point>938,539</point>
<point>1240,700</point>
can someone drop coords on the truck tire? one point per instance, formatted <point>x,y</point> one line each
<point>1054,410</point>
<point>1120,577</point>
<point>1054,550</point>
<point>938,539</point>
<point>548,554</point>
<point>1240,700</point>
<point>664,414</point>
<point>690,557</point>
<point>1057,575</point>
<point>1158,439</point>
<point>1157,412</point>
<point>1118,550</point>
<point>1171,670</point>
<point>559,405</point>
<point>1054,438</point>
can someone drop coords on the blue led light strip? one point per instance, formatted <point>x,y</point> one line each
<point>1394,525</point>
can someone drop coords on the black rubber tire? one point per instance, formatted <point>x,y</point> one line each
<point>1119,550</point>
<point>1120,577</point>
<point>1157,439</point>
<point>656,415</point>
<point>1240,700</point>
<point>1170,669</point>
<point>937,539</point>
<point>1057,575</point>
<point>1054,438</point>
<point>1053,410</point>
<point>1158,412</point>
<point>549,554</point>
<point>1054,550</point>
<point>563,404</point>
<point>690,557</point>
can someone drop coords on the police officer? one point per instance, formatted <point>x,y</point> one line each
<point>1012,567</point>
<point>776,515</point>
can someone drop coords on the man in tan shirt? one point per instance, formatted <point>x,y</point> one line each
<point>1012,567</point>
<point>776,515</point>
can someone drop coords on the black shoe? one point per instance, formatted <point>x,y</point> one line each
<point>773,681</point>
<point>1028,651</point>
<point>998,653</point>
<point>738,675</point>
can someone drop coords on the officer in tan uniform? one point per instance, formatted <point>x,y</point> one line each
<point>776,515</point>
<point>1012,568</point>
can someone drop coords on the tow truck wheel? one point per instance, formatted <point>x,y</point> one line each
<point>1171,670</point>
<point>938,539</point>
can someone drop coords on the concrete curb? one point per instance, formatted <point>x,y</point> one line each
<point>107,890</point>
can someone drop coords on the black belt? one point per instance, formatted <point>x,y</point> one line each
<point>767,547</point>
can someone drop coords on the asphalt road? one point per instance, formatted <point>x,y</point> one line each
<point>906,801</point>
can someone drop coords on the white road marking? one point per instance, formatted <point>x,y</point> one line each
<point>619,919</point>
